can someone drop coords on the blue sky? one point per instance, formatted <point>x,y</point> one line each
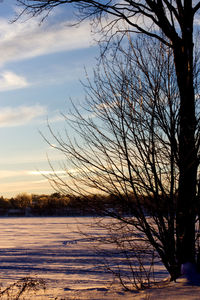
<point>40,69</point>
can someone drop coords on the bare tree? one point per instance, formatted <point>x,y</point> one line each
<point>128,145</point>
<point>175,20</point>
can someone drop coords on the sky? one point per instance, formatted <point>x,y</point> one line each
<point>41,65</point>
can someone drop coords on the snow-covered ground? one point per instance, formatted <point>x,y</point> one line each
<point>53,249</point>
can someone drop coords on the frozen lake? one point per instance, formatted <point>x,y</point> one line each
<point>54,249</point>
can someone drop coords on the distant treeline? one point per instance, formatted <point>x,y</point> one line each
<point>54,205</point>
<point>70,205</point>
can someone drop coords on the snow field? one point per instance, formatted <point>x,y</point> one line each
<point>54,249</point>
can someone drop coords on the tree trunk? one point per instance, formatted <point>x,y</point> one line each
<point>185,219</point>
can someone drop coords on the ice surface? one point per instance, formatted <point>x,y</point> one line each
<point>54,249</point>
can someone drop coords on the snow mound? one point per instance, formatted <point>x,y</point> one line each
<point>190,274</point>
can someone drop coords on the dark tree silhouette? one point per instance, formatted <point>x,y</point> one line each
<point>129,147</point>
<point>172,23</point>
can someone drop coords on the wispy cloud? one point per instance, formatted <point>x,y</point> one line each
<point>57,117</point>
<point>46,172</point>
<point>20,41</point>
<point>21,115</point>
<point>11,81</point>
<point>9,173</point>
<point>30,158</point>
<point>13,188</point>
<point>16,173</point>
<point>14,182</point>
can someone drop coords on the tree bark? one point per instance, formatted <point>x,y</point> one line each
<point>185,220</point>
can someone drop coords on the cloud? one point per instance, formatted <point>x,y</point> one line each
<point>17,181</point>
<point>9,173</point>
<point>11,81</point>
<point>20,41</point>
<point>21,115</point>
<point>29,158</point>
<point>57,117</point>
<point>17,173</point>
<point>10,189</point>
<point>46,172</point>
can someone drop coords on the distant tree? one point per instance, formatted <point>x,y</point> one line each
<point>23,200</point>
<point>42,202</point>
<point>4,203</point>
<point>56,195</point>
